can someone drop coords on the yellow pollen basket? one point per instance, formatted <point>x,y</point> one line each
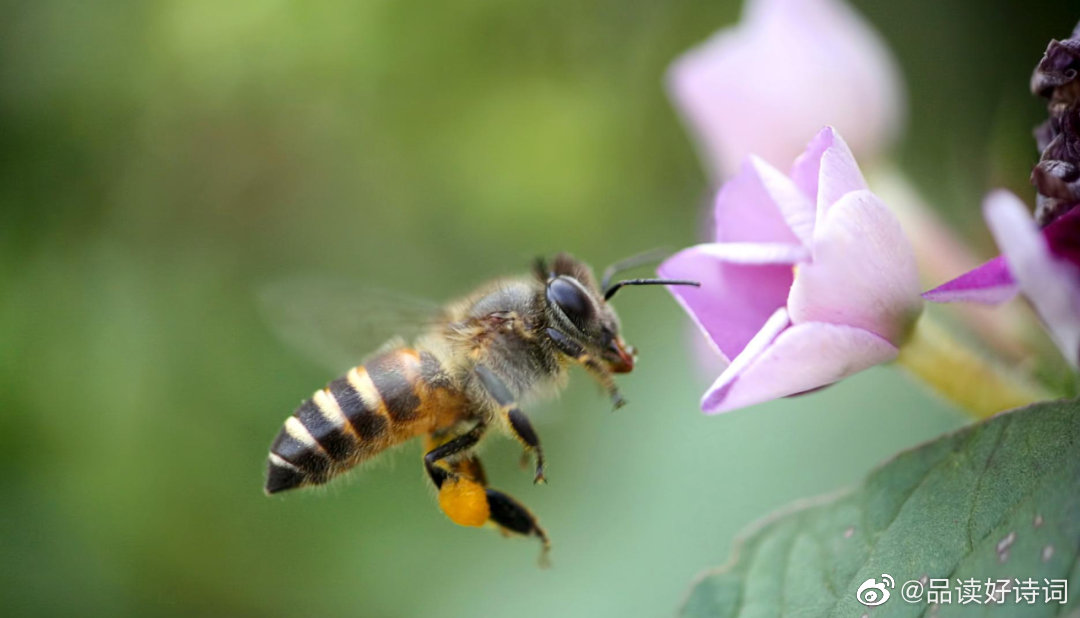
<point>464,502</point>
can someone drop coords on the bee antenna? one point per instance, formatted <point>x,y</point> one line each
<point>640,259</point>
<point>540,268</point>
<point>609,292</point>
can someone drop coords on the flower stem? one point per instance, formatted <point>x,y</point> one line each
<point>963,375</point>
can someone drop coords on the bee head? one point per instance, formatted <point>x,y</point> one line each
<point>579,308</point>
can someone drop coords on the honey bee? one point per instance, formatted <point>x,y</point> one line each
<point>463,375</point>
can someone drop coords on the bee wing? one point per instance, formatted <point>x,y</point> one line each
<point>338,322</point>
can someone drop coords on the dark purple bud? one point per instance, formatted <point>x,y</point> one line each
<point>1057,175</point>
<point>1058,67</point>
<point>1057,180</point>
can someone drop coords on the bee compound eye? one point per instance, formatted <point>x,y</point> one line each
<point>570,298</point>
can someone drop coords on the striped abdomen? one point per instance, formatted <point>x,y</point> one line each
<point>391,398</point>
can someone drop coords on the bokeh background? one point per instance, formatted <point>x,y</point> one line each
<point>161,161</point>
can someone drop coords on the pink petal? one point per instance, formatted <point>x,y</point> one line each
<point>776,323</point>
<point>788,68</point>
<point>708,361</point>
<point>863,271</point>
<point>989,284</point>
<point>807,166</point>
<point>1052,285</point>
<point>838,174</point>
<point>797,209</point>
<point>734,299</point>
<point>746,211</point>
<point>699,85</point>
<point>756,252</point>
<point>827,170</point>
<point>788,361</point>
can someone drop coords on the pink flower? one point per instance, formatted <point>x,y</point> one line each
<point>790,67</point>
<point>1041,260</point>
<point>810,278</point>
<point>1043,264</point>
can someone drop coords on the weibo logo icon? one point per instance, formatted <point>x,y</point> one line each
<point>872,593</point>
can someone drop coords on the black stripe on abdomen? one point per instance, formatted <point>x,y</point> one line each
<point>309,460</point>
<point>388,375</point>
<point>365,419</point>
<point>332,437</point>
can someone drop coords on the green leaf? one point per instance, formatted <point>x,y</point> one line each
<point>997,500</point>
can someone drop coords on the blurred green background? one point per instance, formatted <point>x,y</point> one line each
<point>163,160</point>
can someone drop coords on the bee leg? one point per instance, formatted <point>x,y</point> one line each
<point>470,468</point>
<point>511,516</point>
<point>606,380</point>
<point>600,374</point>
<point>461,489</point>
<point>463,442</point>
<point>507,513</point>
<point>467,500</point>
<point>516,419</point>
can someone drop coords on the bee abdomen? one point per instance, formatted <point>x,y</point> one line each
<point>307,448</point>
<point>370,408</point>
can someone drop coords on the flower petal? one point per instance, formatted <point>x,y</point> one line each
<point>756,252</point>
<point>989,284</point>
<point>1063,236</point>
<point>863,271</point>
<point>734,300</point>
<point>797,209</point>
<point>827,170</point>
<point>794,360</point>
<point>1052,285</point>
<point>807,166</point>
<point>745,210</point>
<point>788,68</point>
<point>776,323</point>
